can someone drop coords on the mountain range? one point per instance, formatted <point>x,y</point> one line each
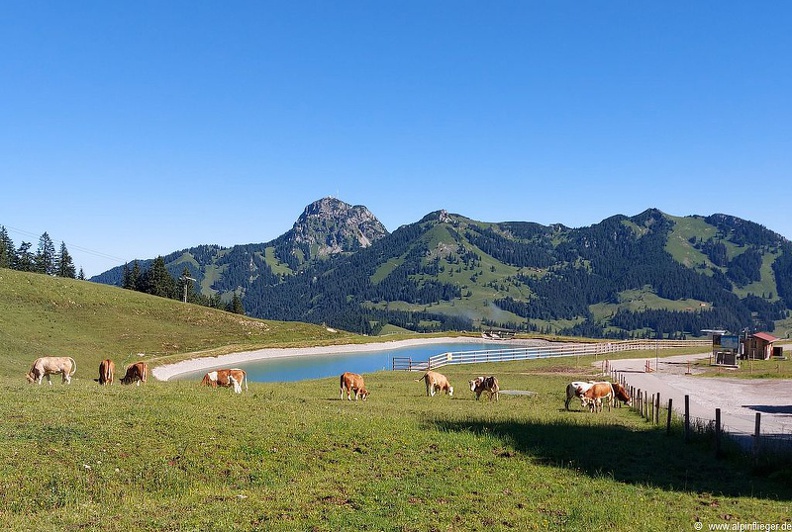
<point>650,275</point>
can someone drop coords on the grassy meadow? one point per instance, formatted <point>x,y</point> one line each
<point>174,456</point>
<point>294,456</point>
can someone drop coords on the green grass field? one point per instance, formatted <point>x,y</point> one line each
<point>176,456</point>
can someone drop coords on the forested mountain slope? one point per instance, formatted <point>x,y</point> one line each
<point>646,275</point>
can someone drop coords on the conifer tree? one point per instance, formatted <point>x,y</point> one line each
<point>236,305</point>
<point>125,272</point>
<point>65,263</point>
<point>132,278</point>
<point>6,249</point>
<point>44,261</point>
<point>158,281</point>
<point>23,261</point>
<point>81,275</point>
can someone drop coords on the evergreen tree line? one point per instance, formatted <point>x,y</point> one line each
<point>44,260</point>
<point>157,281</point>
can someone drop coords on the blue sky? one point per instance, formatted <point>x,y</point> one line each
<point>134,129</point>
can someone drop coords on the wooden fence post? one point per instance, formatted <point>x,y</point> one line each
<point>657,409</point>
<point>717,433</point>
<point>651,409</point>
<point>668,419</point>
<point>687,419</point>
<point>757,433</point>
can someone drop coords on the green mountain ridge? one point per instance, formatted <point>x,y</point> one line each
<point>649,275</point>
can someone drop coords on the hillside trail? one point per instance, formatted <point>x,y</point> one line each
<point>738,399</point>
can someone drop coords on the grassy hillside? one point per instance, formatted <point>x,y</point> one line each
<point>41,315</point>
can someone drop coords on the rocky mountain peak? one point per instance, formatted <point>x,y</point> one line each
<point>331,226</point>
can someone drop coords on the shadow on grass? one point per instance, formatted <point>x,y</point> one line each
<point>649,458</point>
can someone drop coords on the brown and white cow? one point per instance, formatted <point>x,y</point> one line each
<point>226,378</point>
<point>572,390</point>
<point>436,382</point>
<point>594,396</point>
<point>46,366</point>
<point>137,373</point>
<point>488,384</point>
<point>106,372</point>
<point>353,383</point>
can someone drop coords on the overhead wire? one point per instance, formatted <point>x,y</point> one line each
<point>76,247</point>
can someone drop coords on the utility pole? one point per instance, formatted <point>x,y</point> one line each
<point>186,280</point>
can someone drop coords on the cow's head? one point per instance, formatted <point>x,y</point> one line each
<point>30,377</point>
<point>475,383</point>
<point>363,393</point>
<point>622,394</point>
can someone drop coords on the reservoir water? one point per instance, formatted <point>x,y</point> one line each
<point>296,368</point>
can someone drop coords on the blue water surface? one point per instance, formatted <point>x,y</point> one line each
<point>289,369</point>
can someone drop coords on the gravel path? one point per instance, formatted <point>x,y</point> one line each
<point>738,399</point>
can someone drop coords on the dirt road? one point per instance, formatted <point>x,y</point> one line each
<point>738,399</point>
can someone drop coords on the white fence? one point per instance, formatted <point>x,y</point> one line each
<point>551,350</point>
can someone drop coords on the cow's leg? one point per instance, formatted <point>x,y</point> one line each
<point>49,379</point>
<point>432,392</point>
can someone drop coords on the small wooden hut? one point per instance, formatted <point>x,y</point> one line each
<point>758,346</point>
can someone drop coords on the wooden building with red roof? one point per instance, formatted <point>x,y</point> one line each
<point>759,346</point>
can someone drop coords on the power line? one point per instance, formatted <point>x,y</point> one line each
<point>78,248</point>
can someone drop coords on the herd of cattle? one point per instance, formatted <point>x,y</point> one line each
<point>66,367</point>
<point>134,373</point>
<point>591,394</point>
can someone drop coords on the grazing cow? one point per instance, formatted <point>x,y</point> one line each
<point>436,382</point>
<point>572,390</point>
<point>353,383</point>
<point>46,366</point>
<point>137,373</point>
<point>106,372</point>
<point>621,394</point>
<point>594,396</point>
<point>489,384</point>
<point>226,378</point>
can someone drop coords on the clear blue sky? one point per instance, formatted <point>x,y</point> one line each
<point>134,129</point>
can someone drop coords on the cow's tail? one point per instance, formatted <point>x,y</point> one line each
<point>74,366</point>
<point>422,378</point>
